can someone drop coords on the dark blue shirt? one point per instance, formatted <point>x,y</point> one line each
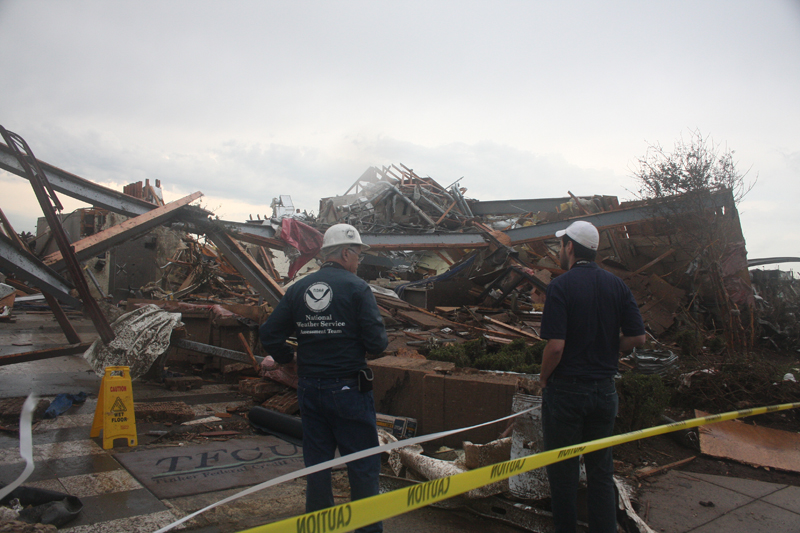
<point>587,307</point>
<point>336,319</point>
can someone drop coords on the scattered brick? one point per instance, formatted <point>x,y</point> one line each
<point>167,412</point>
<point>285,402</point>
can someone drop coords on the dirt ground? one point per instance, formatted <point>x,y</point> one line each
<point>666,449</point>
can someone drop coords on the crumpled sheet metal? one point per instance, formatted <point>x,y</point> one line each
<point>141,336</point>
<point>647,361</point>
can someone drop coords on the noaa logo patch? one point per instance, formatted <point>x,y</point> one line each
<point>318,296</point>
<point>350,234</point>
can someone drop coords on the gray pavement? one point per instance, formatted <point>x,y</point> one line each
<point>679,502</point>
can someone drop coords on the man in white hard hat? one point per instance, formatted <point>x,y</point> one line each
<point>589,316</point>
<point>336,320</point>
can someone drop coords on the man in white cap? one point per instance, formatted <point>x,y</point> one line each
<point>337,322</point>
<point>590,316</point>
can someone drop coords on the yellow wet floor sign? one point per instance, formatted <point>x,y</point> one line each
<point>114,412</point>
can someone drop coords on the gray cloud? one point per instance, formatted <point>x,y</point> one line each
<point>521,98</point>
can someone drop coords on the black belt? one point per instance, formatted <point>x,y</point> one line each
<point>576,379</point>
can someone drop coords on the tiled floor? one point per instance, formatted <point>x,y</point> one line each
<point>67,461</point>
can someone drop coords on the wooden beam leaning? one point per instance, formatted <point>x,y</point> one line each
<point>133,227</point>
<point>267,287</point>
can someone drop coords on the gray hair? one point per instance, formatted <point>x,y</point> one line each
<point>333,250</point>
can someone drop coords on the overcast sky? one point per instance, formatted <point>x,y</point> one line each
<point>247,100</point>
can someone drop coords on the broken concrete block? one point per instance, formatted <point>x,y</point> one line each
<point>478,455</point>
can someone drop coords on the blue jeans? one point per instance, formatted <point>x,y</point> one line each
<point>335,413</point>
<point>576,411</point>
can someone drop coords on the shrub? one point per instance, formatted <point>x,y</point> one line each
<point>689,341</point>
<point>517,356</point>
<point>642,399</point>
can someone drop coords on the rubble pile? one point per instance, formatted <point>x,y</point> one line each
<point>197,271</point>
<point>460,284</point>
<point>396,200</point>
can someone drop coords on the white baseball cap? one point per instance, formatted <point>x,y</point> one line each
<point>584,233</point>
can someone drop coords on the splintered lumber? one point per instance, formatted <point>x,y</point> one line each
<point>512,328</point>
<point>247,349</point>
<point>653,470</point>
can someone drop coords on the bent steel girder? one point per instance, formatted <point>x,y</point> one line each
<point>26,267</point>
<point>505,207</point>
<point>620,217</point>
<point>49,203</point>
<point>117,202</point>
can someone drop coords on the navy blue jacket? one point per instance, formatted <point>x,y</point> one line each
<point>587,307</point>
<point>336,320</point>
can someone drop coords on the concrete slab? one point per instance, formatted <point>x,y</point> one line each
<point>748,487</point>
<point>675,502</point>
<point>787,498</point>
<point>756,517</point>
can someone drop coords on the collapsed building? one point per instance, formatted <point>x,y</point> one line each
<point>462,268</point>
<point>446,270</point>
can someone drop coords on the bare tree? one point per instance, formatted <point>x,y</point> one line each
<point>699,165</point>
<point>695,190</point>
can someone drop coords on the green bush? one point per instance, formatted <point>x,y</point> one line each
<point>642,399</point>
<point>517,356</point>
<point>689,341</point>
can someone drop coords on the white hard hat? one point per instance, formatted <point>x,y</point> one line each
<point>342,234</point>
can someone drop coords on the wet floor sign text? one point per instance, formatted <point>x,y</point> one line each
<point>114,412</point>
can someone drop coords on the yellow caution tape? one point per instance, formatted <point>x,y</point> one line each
<point>360,513</point>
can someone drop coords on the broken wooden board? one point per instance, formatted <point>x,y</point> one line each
<point>752,445</point>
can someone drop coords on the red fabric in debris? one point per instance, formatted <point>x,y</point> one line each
<point>306,239</point>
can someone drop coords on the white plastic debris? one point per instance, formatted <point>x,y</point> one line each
<point>141,336</point>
